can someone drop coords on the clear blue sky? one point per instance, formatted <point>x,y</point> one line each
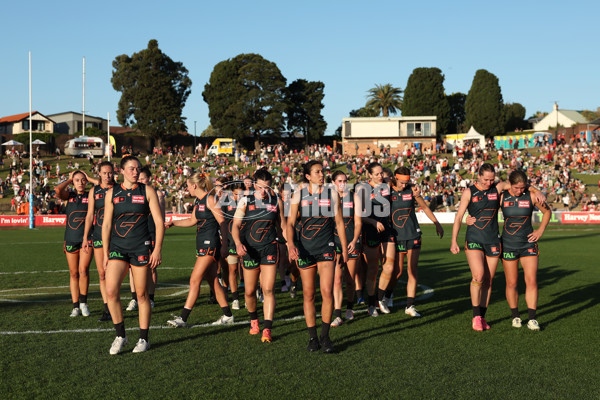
<point>541,51</point>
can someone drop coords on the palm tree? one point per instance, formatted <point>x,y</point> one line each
<point>386,98</point>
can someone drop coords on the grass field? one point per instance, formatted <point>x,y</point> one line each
<point>46,354</point>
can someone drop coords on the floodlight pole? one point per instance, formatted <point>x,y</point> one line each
<point>83,114</point>
<point>108,134</point>
<point>30,153</point>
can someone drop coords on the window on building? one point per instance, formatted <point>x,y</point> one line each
<point>427,129</point>
<point>36,125</point>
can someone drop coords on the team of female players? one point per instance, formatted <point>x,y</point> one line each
<point>339,233</point>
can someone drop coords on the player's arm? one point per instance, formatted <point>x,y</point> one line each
<point>438,227</point>
<point>238,217</point>
<point>159,222</point>
<point>546,215</point>
<point>89,220</point>
<point>464,203</point>
<point>291,223</point>
<point>107,224</point>
<point>357,223</point>
<point>61,189</point>
<point>183,223</point>
<point>281,225</point>
<point>215,208</point>
<point>339,223</point>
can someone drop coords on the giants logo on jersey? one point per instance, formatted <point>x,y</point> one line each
<point>524,203</point>
<point>492,196</point>
<point>137,199</point>
<point>475,199</point>
<point>406,197</point>
<point>508,204</point>
<point>251,207</point>
<point>304,203</point>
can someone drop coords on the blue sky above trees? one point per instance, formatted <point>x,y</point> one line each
<point>541,51</point>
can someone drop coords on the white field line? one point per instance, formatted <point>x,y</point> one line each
<point>427,293</point>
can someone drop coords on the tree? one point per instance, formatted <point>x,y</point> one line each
<point>154,89</point>
<point>245,97</point>
<point>209,132</point>
<point>483,108</point>
<point>304,102</point>
<point>386,98</point>
<point>591,115</point>
<point>364,112</point>
<point>456,101</point>
<point>424,95</point>
<point>514,117</point>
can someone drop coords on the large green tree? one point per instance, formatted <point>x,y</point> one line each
<point>385,98</point>
<point>364,112</point>
<point>484,105</point>
<point>424,95</point>
<point>154,89</point>
<point>304,102</point>
<point>245,97</point>
<point>456,101</point>
<point>514,117</point>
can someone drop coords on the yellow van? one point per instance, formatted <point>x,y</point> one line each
<point>222,146</point>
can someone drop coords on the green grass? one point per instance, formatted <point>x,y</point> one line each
<point>393,356</point>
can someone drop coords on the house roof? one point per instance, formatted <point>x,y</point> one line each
<point>574,116</point>
<point>16,117</point>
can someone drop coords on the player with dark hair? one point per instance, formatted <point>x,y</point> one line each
<point>93,223</point>
<point>262,215</point>
<point>314,212</point>
<point>351,213</point>
<point>229,203</point>
<point>127,243</point>
<point>79,262</point>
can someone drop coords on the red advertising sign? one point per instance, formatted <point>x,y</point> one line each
<point>580,218</point>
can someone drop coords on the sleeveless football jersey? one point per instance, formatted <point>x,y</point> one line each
<point>314,230</point>
<point>99,197</point>
<point>207,227</point>
<point>404,219</point>
<point>517,213</point>
<point>77,205</point>
<point>261,217</point>
<point>484,206</point>
<point>348,210</point>
<point>130,218</point>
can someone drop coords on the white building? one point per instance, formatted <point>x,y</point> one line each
<point>360,134</point>
<point>565,118</point>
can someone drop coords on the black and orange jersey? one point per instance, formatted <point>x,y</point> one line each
<point>99,196</point>
<point>229,207</point>
<point>260,221</point>
<point>77,205</point>
<point>314,230</point>
<point>207,227</point>
<point>484,206</point>
<point>348,211</point>
<point>130,218</point>
<point>517,213</point>
<point>404,219</point>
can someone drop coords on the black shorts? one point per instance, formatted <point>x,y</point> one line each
<point>74,247</point>
<point>403,246</point>
<point>138,258</point>
<point>490,249</point>
<point>310,259</point>
<point>529,250</point>
<point>214,252</point>
<point>98,244</point>
<point>351,256</point>
<point>232,251</point>
<point>267,255</point>
<point>372,238</point>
